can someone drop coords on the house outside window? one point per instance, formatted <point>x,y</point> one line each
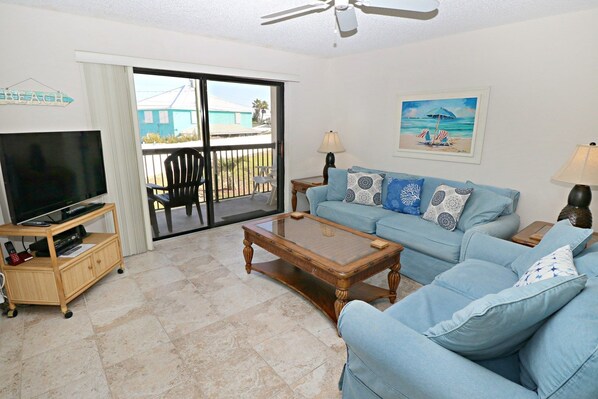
<point>238,118</point>
<point>148,117</point>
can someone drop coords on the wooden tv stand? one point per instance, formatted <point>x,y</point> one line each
<point>57,280</point>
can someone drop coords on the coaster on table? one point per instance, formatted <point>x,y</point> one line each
<point>380,244</point>
<point>297,215</point>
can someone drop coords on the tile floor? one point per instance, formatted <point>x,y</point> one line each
<point>183,321</point>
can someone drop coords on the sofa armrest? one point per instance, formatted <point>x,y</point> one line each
<point>502,227</point>
<point>395,361</point>
<point>484,247</point>
<point>315,195</point>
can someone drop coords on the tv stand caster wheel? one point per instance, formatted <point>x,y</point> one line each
<point>68,314</point>
<point>120,270</point>
<point>12,313</point>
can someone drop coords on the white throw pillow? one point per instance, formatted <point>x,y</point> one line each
<point>558,263</point>
<point>446,206</point>
<point>364,188</point>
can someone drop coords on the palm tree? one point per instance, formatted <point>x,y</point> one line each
<point>259,109</point>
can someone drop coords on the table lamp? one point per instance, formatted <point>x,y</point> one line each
<point>330,145</point>
<point>581,170</point>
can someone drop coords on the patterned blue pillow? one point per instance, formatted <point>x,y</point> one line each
<point>446,206</point>
<point>404,196</point>
<point>364,188</point>
<point>558,263</point>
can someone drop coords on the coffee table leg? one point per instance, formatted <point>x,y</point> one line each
<point>341,300</point>
<point>394,278</point>
<point>248,255</point>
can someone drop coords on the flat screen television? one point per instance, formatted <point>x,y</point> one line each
<point>45,172</point>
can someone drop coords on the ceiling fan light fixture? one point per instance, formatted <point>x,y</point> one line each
<point>346,18</point>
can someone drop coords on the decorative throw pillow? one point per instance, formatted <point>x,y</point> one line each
<point>499,324</point>
<point>364,188</point>
<point>562,233</point>
<point>558,263</point>
<point>404,196</point>
<point>447,205</point>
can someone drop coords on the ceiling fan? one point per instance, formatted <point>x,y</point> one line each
<point>345,10</point>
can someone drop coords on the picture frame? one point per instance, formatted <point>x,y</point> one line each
<point>446,126</point>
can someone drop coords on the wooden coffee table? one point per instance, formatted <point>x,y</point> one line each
<point>323,261</point>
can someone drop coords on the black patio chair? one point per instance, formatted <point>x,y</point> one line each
<point>184,174</point>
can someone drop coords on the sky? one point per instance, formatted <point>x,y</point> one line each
<point>238,93</point>
<point>461,107</point>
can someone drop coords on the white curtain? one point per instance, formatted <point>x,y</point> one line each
<point>111,103</point>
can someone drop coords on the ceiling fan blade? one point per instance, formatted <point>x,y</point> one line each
<point>346,18</point>
<point>314,6</point>
<point>407,5</point>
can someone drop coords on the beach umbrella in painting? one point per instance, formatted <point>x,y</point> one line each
<point>440,113</point>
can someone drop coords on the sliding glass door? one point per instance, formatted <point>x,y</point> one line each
<point>234,124</point>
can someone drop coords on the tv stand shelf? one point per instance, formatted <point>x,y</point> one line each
<point>58,280</point>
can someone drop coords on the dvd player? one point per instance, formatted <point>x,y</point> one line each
<point>62,242</point>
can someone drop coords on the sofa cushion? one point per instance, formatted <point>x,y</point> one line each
<point>483,206</point>
<point>499,324</point>
<point>506,192</point>
<point>358,217</point>
<point>561,234</point>
<point>404,196</point>
<point>474,278</point>
<point>558,263</point>
<point>337,184</point>
<point>587,261</point>
<point>446,206</point>
<point>425,237</point>
<point>426,307</point>
<point>364,188</point>
<point>561,359</point>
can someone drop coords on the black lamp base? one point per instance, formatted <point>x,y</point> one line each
<point>577,209</point>
<point>329,164</point>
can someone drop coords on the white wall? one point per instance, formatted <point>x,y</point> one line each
<point>543,76</point>
<point>41,44</point>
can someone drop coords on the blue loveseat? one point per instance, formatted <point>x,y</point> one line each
<point>429,249</point>
<point>390,357</point>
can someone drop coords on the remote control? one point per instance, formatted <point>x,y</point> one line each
<point>36,224</point>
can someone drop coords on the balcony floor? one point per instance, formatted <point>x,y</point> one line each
<point>228,211</point>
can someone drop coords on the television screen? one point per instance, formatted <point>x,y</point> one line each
<point>44,172</point>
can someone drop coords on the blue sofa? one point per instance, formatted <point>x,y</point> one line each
<point>390,357</point>
<point>429,249</point>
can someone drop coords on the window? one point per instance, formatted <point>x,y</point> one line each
<point>226,119</point>
<point>148,117</point>
<point>163,116</point>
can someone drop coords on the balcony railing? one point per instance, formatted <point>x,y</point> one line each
<point>233,168</point>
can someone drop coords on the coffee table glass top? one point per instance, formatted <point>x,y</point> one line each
<point>337,245</point>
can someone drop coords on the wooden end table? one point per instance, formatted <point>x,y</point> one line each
<point>532,234</point>
<point>301,186</point>
<point>323,261</point>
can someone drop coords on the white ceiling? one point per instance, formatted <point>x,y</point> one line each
<point>312,34</point>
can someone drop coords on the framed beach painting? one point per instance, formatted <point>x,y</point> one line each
<point>442,126</point>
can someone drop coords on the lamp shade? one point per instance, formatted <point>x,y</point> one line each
<point>331,143</point>
<point>582,167</point>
